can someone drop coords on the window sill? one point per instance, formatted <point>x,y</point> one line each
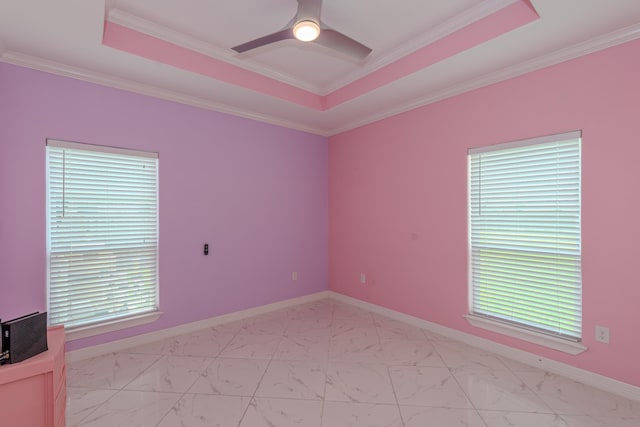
<point>111,325</point>
<point>559,344</point>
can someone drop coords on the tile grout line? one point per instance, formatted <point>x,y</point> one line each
<point>389,361</point>
<point>451,374</point>
<point>388,369</point>
<point>252,398</point>
<point>117,390</point>
<point>205,367</point>
<point>326,367</point>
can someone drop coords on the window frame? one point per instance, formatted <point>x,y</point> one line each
<point>505,327</point>
<point>109,324</point>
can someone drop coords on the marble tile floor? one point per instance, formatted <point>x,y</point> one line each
<point>327,364</point>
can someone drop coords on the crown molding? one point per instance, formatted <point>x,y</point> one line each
<point>473,14</point>
<point>450,26</point>
<point>40,64</point>
<point>594,45</point>
<point>572,52</point>
<point>120,17</point>
<point>108,5</point>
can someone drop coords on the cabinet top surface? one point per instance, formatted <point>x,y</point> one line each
<point>39,364</point>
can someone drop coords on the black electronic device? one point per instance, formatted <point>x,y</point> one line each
<point>23,337</point>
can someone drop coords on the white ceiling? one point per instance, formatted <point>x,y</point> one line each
<point>66,37</point>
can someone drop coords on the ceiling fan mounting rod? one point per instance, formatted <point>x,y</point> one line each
<point>309,10</point>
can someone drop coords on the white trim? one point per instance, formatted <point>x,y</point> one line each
<point>586,377</point>
<point>100,148</point>
<point>467,17</point>
<point>559,137</point>
<point>548,341</point>
<point>589,378</point>
<point>128,20</point>
<point>456,23</point>
<point>22,60</point>
<point>108,5</point>
<point>111,325</point>
<point>596,44</point>
<point>119,345</point>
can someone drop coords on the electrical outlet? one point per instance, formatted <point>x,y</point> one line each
<point>363,278</point>
<point>602,334</point>
<point>294,275</point>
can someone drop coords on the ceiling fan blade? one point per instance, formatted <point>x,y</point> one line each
<point>262,41</point>
<point>310,10</point>
<point>341,43</point>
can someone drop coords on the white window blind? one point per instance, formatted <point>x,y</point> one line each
<point>524,220</point>
<point>102,233</point>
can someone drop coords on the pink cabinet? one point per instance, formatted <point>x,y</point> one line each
<point>33,393</point>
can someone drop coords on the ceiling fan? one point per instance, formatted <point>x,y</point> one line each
<point>307,26</point>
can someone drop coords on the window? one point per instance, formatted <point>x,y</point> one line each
<point>524,233</point>
<point>102,227</point>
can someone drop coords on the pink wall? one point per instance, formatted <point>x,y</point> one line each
<point>256,193</point>
<point>397,198</point>
<point>398,194</point>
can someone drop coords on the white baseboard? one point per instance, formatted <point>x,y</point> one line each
<point>119,345</point>
<point>585,377</point>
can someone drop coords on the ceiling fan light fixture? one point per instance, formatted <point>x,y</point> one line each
<point>306,30</point>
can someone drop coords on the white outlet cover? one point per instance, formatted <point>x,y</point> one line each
<point>602,334</point>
